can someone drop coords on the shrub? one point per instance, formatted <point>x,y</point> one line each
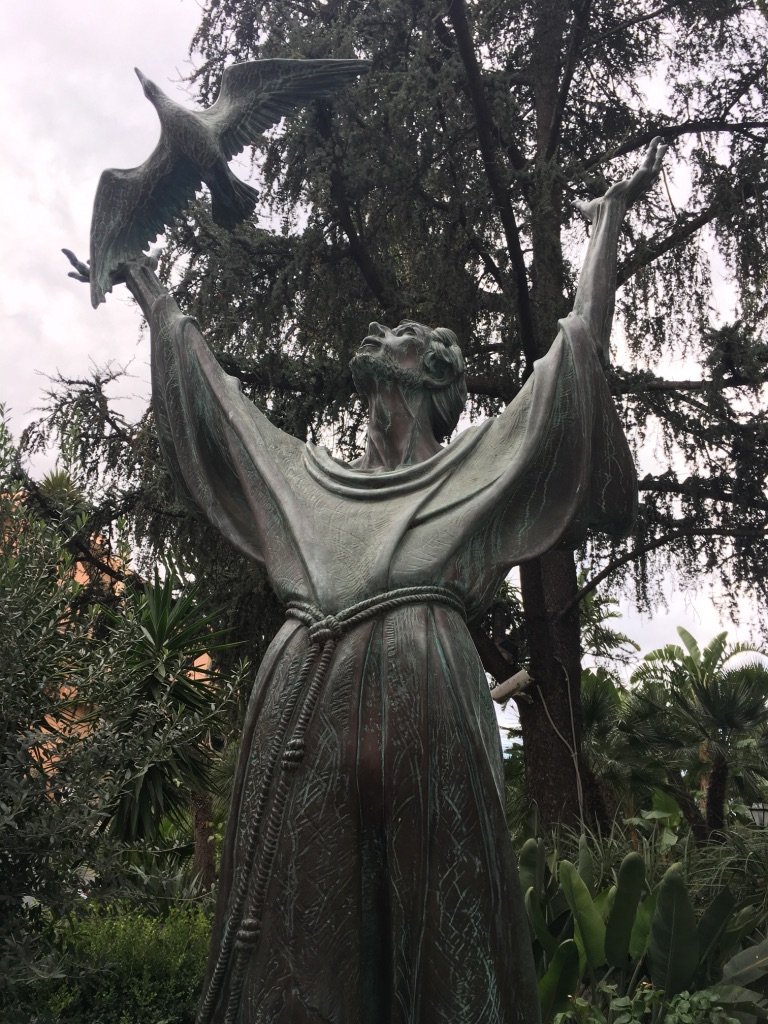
<point>126,967</point>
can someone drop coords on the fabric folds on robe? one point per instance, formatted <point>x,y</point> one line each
<point>393,898</point>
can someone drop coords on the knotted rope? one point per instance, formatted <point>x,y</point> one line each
<point>243,927</point>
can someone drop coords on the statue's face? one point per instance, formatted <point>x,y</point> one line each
<point>404,344</point>
<point>389,355</point>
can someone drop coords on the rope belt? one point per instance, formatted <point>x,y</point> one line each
<point>243,927</point>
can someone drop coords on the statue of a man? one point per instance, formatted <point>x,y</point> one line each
<point>367,875</point>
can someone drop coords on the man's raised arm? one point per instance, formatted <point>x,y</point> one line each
<point>138,275</point>
<point>597,282</point>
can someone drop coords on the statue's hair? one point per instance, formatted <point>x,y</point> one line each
<point>443,376</point>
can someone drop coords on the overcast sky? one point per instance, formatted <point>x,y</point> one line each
<point>70,105</point>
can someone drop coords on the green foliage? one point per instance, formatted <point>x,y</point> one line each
<point>630,884</point>
<point>96,717</point>
<point>557,985</point>
<point>626,947</point>
<point>607,646</point>
<point>126,967</point>
<point>673,950</point>
<point>625,776</point>
<point>647,1005</point>
<point>703,713</point>
<point>169,664</point>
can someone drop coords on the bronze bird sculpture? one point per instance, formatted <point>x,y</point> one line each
<point>133,206</point>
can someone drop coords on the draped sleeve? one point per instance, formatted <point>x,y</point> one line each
<point>567,467</point>
<point>552,465</point>
<point>224,455</point>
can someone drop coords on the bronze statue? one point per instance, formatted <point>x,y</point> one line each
<point>367,875</point>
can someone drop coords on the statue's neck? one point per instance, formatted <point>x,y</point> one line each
<point>399,428</point>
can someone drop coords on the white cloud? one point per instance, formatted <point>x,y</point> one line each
<point>70,105</point>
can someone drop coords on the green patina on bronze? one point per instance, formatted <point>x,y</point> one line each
<point>368,875</point>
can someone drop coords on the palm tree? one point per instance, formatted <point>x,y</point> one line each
<point>703,714</point>
<point>623,776</point>
<point>176,691</point>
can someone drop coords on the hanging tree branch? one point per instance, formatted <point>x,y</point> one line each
<point>574,51</point>
<point>669,132</point>
<point>486,133</point>
<point>644,549</point>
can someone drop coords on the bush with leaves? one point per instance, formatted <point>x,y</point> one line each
<point>646,1006</point>
<point>100,730</point>
<point>125,966</point>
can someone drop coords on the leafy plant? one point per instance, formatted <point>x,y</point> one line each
<point>636,949</point>
<point>125,966</point>
<point>89,704</point>
<point>703,712</point>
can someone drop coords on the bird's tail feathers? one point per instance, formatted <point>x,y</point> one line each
<point>234,203</point>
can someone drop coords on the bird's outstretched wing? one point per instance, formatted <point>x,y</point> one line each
<point>254,96</point>
<point>132,207</point>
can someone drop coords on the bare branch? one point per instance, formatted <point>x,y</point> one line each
<point>644,384</point>
<point>76,546</point>
<point>693,488</point>
<point>668,132</point>
<point>630,23</point>
<point>643,549</point>
<point>685,229</point>
<point>384,295</point>
<point>486,134</point>
<point>574,50</point>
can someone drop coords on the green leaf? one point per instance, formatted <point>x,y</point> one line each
<point>604,902</point>
<point>743,1000</point>
<point>560,980</point>
<point>748,966</point>
<point>526,865</point>
<point>588,925</point>
<point>586,867</point>
<point>621,920</point>
<point>673,953</point>
<point>713,923</point>
<point>536,916</point>
<point>691,645</point>
<point>743,923</point>
<point>667,840</point>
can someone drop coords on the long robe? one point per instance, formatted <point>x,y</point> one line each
<point>388,886</point>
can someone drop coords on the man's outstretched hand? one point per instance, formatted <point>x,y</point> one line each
<point>646,174</point>
<point>633,187</point>
<point>82,271</point>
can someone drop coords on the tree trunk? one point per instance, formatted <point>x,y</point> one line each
<point>717,785</point>
<point>203,862</point>
<point>551,723</point>
<point>691,812</point>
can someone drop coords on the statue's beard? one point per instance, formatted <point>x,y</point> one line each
<point>370,371</point>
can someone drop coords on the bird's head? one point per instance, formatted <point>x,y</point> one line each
<point>151,91</point>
